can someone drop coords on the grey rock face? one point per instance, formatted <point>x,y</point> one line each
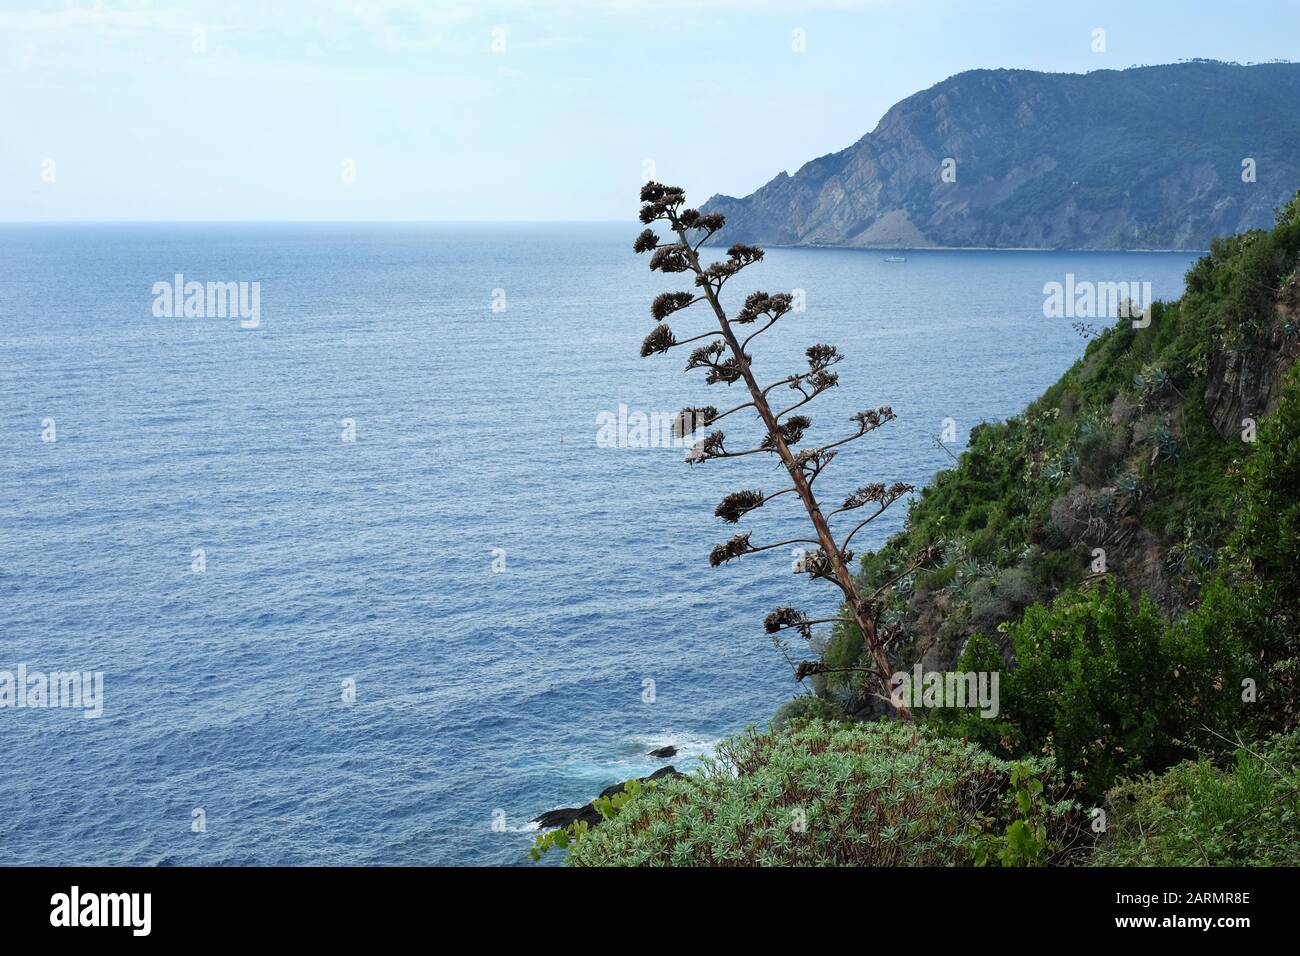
<point>1144,158</point>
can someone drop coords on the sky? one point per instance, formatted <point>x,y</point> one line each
<point>503,109</point>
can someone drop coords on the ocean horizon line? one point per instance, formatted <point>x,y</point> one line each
<point>32,223</point>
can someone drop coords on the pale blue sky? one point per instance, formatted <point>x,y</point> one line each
<point>558,125</point>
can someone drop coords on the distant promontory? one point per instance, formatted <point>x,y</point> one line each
<point>1153,157</point>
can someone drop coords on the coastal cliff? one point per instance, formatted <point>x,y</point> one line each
<point>1159,157</point>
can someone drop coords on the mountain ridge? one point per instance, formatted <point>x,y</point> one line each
<point>1144,158</point>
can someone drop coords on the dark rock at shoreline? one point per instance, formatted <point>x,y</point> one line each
<point>663,752</point>
<point>563,816</point>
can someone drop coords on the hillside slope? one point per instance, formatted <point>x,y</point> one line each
<point>1144,158</point>
<point>1129,470</point>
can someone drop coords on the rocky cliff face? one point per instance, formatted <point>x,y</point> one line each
<point>1247,384</point>
<point>1145,158</point>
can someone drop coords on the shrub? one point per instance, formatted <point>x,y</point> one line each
<point>995,599</point>
<point>1096,455</point>
<point>1026,841</point>
<point>1091,685</point>
<point>1107,688</point>
<point>1019,588</point>
<point>996,734</point>
<point>1197,814</point>
<point>817,794</point>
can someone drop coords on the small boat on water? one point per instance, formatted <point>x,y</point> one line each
<point>895,259</point>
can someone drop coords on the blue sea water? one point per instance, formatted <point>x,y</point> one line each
<point>481,695</point>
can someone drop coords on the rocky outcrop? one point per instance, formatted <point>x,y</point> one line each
<point>1245,385</point>
<point>1144,158</point>
<point>563,816</point>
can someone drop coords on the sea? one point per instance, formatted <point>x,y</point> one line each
<point>379,570</point>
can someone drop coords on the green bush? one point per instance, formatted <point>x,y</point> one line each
<point>1027,840</point>
<point>1090,685</point>
<point>1197,814</point>
<point>1106,688</point>
<point>818,794</point>
<point>995,734</point>
<point>993,600</point>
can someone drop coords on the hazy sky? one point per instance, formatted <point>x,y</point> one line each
<point>229,110</point>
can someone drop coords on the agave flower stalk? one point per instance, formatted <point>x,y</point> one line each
<point>725,359</point>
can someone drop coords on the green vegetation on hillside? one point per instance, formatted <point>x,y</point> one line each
<point>1106,689</point>
<point>1117,470</point>
<point>1199,814</point>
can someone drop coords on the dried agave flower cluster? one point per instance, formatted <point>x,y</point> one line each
<point>724,357</point>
